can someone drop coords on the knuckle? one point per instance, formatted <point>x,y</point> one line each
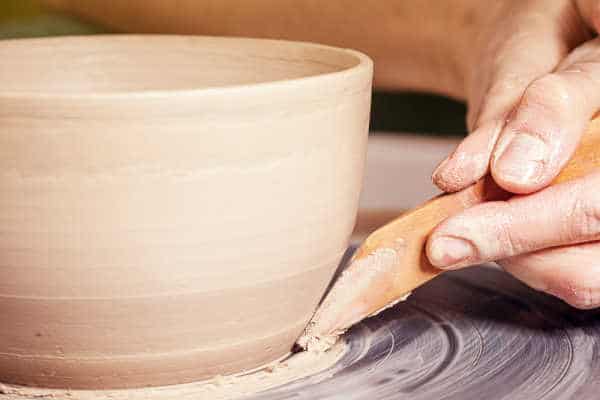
<point>511,241</point>
<point>591,220</point>
<point>508,83</point>
<point>506,242</point>
<point>502,86</point>
<point>585,221</point>
<point>574,275</point>
<point>549,94</point>
<point>578,293</point>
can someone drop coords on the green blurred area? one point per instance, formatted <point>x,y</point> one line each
<point>18,8</point>
<point>27,18</point>
<point>407,112</point>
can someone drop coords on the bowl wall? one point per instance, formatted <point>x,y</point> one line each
<point>163,232</point>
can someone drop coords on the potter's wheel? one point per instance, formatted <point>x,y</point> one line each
<point>470,334</point>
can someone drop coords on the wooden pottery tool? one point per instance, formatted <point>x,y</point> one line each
<point>391,261</point>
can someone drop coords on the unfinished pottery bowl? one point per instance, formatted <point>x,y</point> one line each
<point>171,208</point>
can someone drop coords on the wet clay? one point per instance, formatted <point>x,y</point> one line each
<point>273,375</point>
<point>373,271</point>
<point>172,207</point>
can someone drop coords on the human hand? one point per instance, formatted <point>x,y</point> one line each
<point>530,97</point>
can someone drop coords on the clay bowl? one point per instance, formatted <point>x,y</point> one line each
<point>171,208</point>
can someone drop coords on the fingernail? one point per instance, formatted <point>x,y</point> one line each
<point>522,162</point>
<point>446,252</point>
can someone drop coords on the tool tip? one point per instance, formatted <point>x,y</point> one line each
<point>355,296</point>
<point>314,342</point>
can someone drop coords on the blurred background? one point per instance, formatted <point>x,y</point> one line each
<point>399,112</point>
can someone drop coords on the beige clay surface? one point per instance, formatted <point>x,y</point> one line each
<point>172,208</point>
<point>275,374</point>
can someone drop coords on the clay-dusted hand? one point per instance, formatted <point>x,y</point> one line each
<point>531,93</point>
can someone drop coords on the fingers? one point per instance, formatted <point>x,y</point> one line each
<point>559,215</point>
<point>528,48</point>
<point>544,129</point>
<point>470,161</point>
<point>569,273</point>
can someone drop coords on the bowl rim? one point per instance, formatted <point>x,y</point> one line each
<point>363,66</point>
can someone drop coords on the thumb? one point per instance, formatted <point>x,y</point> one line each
<point>564,214</point>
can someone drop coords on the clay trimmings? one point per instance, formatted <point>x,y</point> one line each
<point>341,308</point>
<point>273,375</point>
